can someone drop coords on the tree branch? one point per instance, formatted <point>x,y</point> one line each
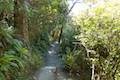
<point>73,6</point>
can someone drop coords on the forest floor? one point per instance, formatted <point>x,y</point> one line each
<point>52,70</point>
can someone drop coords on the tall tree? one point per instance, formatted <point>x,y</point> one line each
<point>20,20</point>
<point>65,12</point>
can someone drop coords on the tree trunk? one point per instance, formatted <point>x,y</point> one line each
<point>20,21</point>
<point>61,31</point>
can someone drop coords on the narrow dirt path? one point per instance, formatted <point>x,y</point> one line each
<point>53,66</point>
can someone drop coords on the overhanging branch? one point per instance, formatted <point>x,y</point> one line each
<point>73,6</point>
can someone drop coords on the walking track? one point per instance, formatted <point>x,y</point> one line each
<point>53,66</point>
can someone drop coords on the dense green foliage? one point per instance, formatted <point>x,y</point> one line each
<point>13,55</point>
<point>99,32</point>
<point>26,29</point>
<point>74,53</point>
<point>89,43</point>
<point>17,59</point>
